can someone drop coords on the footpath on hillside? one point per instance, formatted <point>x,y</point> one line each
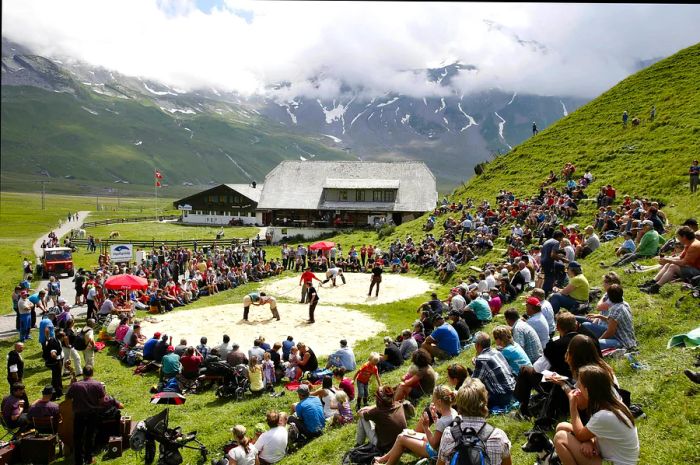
<point>7,322</point>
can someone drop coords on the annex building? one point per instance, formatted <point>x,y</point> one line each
<point>321,194</point>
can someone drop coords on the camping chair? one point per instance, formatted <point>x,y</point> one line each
<point>8,431</point>
<point>49,425</point>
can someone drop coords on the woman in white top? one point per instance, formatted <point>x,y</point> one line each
<point>610,433</point>
<point>424,442</point>
<point>245,453</point>
<point>327,396</point>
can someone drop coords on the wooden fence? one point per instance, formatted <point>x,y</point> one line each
<point>134,219</point>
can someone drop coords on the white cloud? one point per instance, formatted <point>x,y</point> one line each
<point>374,46</point>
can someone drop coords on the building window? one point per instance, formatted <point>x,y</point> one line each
<point>343,196</point>
<point>389,196</point>
<point>360,196</point>
<point>377,196</point>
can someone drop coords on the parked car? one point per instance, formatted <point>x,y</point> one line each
<point>56,261</point>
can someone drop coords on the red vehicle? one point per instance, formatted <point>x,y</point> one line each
<point>56,261</point>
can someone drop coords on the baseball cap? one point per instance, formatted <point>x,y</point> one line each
<point>171,349</point>
<point>532,300</point>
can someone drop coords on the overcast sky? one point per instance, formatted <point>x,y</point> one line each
<point>546,49</point>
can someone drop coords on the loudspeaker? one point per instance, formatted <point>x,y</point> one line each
<point>125,430</point>
<point>39,449</point>
<point>114,447</point>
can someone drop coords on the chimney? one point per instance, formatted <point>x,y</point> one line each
<point>254,184</point>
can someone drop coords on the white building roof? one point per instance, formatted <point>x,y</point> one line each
<point>298,185</point>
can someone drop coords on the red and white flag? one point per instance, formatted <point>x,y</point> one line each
<point>158,175</point>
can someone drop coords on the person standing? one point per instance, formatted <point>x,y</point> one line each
<point>24,308</point>
<point>549,256</point>
<point>306,281</point>
<point>377,271</point>
<point>15,364</point>
<point>52,353</point>
<point>694,173</point>
<point>312,296</point>
<point>88,333</point>
<point>534,128</point>
<point>625,117</point>
<point>87,396</point>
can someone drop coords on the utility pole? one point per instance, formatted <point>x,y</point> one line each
<point>97,201</point>
<point>43,194</point>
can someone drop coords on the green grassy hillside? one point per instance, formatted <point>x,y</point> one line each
<point>99,138</point>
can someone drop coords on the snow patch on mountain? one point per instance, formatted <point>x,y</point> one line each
<point>566,113</point>
<point>469,118</point>
<point>92,112</point>
<point>357,116</point>
<point>406,119</point>
<point>336,112</point>
<point>447,123</point>
<point>155,91</point>
<point>138,143</point>
<point>186,111</point>
<point>302,158</point>
<point>388,103</point>
<point>500,129</point>
<point>512,98</point>
<point>335,139</point>
<point>442,105</point>
<point>237,165</point>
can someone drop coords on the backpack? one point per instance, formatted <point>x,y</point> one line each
<point>470,445</point>
<point>80,343</point>
<point>361,455</point>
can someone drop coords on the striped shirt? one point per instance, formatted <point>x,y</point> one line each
<point>625,330</point>
<point>497,445</point>
<point>528,339</point>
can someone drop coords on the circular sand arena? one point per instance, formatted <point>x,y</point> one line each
<point>394,287</point>
<point>213,322</point>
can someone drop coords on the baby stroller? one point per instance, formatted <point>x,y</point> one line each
<point>155,429</point>
<point>236,382</point>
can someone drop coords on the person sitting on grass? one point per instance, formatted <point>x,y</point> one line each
<point>614,329</point>
<point>456,374</point>
<point>443,342</point>
<point>344,384</point>
<point>245,453</point>
<point>408,344</point>
<point>648,246</point>
<point>344,414</point>
<point>392,358</point>
<point>363,377</point>
<point>308,414</point>
<point>574,294</point>
<point>255,376</point>
<point>511,351</point>
<point>439,413</point>
<point>327,396</point>
<point>686,266</point>
<point>471,403</point>
<point>382,423</point>
<point>609,436</point>
<point>272,444</point>
<point>524,335</point>
<point>420,378</point>
<point>493,370</point>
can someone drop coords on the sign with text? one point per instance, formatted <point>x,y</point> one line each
<point>121,252</point>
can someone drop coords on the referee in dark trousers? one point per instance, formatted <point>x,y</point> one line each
<point>88,397</point>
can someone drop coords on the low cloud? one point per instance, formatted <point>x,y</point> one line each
<point>321,48</point>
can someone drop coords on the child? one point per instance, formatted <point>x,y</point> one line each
<point>344,383</point>
<point>255,375</point>
<point>344,415</point>
<point>291,371</point>
<point>268,368</point>
<point>628,246</point>
<point>363,376</point>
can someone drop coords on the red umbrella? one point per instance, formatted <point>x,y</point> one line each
<point>126,281</point>
<point>323,245</point>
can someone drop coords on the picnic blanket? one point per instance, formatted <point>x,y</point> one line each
<point>294,385</point>
<point>691,339</point>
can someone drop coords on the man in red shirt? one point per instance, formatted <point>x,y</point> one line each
<point>190,363</point>
<point>305,281</point>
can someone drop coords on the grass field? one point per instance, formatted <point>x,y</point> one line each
<point>22,221</point>
<point>169,231</point>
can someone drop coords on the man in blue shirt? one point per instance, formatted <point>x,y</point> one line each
<point>149,347</point>
<point>287,347</point>
<point>308,418</point>
<point>443,342</point>
<point>46,328</point>
<point>343,357</point>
